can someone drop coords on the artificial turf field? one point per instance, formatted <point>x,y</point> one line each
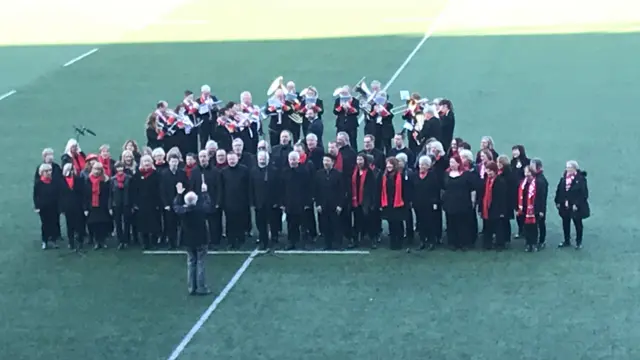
<point>558,76</point>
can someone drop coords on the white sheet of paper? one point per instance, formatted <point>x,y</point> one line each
<point>404,95</point>
<point>203,109</point>
<point>408,126</point>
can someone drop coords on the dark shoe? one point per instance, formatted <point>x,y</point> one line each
<point>564,244</point>
<point>542,246</point>
<point>431,247</point>
<point>290,247</point>
<point>96,247</point>
<point>579,246</point>
<point>528,248</point>
<point>204,292</point>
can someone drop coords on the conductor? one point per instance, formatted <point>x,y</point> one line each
<point>193,213</point>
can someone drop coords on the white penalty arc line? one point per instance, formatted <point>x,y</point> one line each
<point>4,96</point>
<point>214,305</point>
<point>432,28</point>
<point>260,252</point>
<point>76,59</point>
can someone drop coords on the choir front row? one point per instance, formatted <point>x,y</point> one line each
<point>343,194</point>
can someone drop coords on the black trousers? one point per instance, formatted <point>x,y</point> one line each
<point>520,222</point>
<point>459,230</point>
<point>383,144</point>
<point>274,134</point>
<point>542,228</point>
<point>205,131</point>
<point>75,227</point>
<point>346,223</point>
<point>309,223</point>
<point>530,234</point>
<point>267,220</point>
<point>295,131</point>
<point>505,223</point>
<point>566,228</point>
<point>429,223</point>
<point>214,224</point>
<point>331,228</point>
<point>170,220</point>
<point>493,227</point>
<point>364,223</point>
<point>236,227</point>
<point>49,224</point>
<point>396,233</point>
<point>409,224</point>
<point>122,219</point>
<point>99,231</point>
<point>294,221</point>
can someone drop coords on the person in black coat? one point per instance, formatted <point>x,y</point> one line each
<point>280,152</point>
<point>369,149</point>
<point>505,172</point>
<point>309,225</point>
<point>296,196</point>
<point>169,178</point>
<point>379,123</point>
<point>493,208</point>
<point>96,205</point>
<point>265,186</point>
<point>146,201</point>
<point>572,202</point>
<point>244,158</point>
<point>193,210</point>
<point>345,163</point>
<point>531,195</point>
<point>407,190</point>
<point>329,193</point>
<point>346,109</point>
<point>72,206</point>
<point>46,204</point>
<point>399,147</point>
<point>447,122</point>
<point>120,205</point>
<point>208,174</point>
<point>431,129</point>
<point>542,186</point>
<point>48,158</point>
<point>392,202</point>
<point>425,199</point>
<point>314,150</point>
<point>363,193</point>
<point>234,199</point>
<point>519,161</point>
<point>458,202</point>
<point>74,155</point>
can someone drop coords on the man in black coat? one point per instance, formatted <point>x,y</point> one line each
<point>211,176</point>
<point>234,196</point>
<point>296,196</point>
<point>542,191</point>
<point>369,149</point>
<point>329,193</point>
<point>193,212</point>
<point>399,147</point>
<point>280,152</point>
<point>265,188</point>
<point>169,178</point>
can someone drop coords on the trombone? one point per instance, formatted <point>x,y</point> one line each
<point>410,105</point>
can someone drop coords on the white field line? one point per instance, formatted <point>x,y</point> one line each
<point>432,28</point>
<point>279,252</point>
<point>214,305</point>
<point>4,96</point>
<point>76,59</point>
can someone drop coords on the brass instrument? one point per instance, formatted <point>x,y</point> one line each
<point>296,118</point>
<point>410,105</point>
<point>276,84</point>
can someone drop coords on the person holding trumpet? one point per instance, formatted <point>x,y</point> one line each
<point>346,109</point>
<point>379,122</point>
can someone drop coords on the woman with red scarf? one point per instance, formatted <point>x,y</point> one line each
<point>510,179</point>
<point>392,202</point>
<point>73,154</point>
<point>425,199</point>
<point>528,194</point>
<point>159,159</point>
<point>45,204</point>
<point>120,205</point>
<point>104,157</point>
<point>96,206</point>
<point>71,204</point>
<point>458,202</point>
<point>572,202</point>
<point>363,196</point>
<point>129,162</point>
<point>493,208</point>
<point>145,200</point>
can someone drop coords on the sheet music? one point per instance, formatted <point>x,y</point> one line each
<point>408,126</point>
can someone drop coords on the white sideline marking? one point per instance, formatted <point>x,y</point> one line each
<point>4,96</point>
<point>280,252</point>
<point>76,59</point>
<point>434,25</point>
<point>205,316</point>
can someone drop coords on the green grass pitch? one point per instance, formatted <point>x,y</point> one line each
<point>561,81</point>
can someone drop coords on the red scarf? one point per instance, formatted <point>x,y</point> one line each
<point>188,169</point>
<point>95,189</point>
<point>69,180</point>
<point>529,212</point>
<point>120,179</point>
<point>423,174</point>
<point>338,165</point>
<point>500,171</point>
<point>568,180</point>
<point>146,172</point>
<point>46,180</point>
<point>488,196</point>
<point>397,197</point>
<point>303,158</point>
<point>78,162</point>
<point>372,166</point>
<point>357,189</point>
<point>106,165</point>
<point>159,164</point>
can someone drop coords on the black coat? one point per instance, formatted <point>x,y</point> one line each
<point>211,178</point>
<point>378,157</point>
<point>247,159</point>
<point>280,156</point>
<point>348,160</point>
<point>370,194</point>
<point>346,120</point>
<point>447,125</point>
<point>316,155</point>
<point>518,165</point>
<point>329,190</point>
<point>392,212</point>
<point>456,198</point>
<point>97,214</point>
<point>146,201</point>
<point>296,193</point>
<point>234,189</point>
<point>46,196</point>
<point>168,182</point>
<point>120,199</point>
<point>56,172</point>
<point>512,184</point>
<point>384,130</point>
<point>578,195</point>
<point>426,191</point>
<point>542,191</point>
<point>499,205</point>
<point>411,156</point>
<point>265,187</point>
<point>430,129</point>
<point>193,220</point>
<point>71,199</point>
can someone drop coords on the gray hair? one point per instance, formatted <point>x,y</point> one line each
<point>466,155</point>
<point>265,144</point>
<point>437,145</point>
<point>424,160</point>
<point>345,136</point>
<point>489,141</point>
<point>294,155</point>
<point>265,153</point>
<point>376,82</point>
<point>430,110</point>
<point>158,152</point>
<point>536,164</point>
<point>402,157</point>
<point>146,158</point>
<point>67,169</point>
<point>190,198</point>
<point>43,168</point>
<point>237,141</point>
<point>47,151</point>
<point>573,164</point>
<point>311,136</point>
<point>70,143</point>
<point>211,145</point>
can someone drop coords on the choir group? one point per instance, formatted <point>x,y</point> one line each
<point>331,192</point>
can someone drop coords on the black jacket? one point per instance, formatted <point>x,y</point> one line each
<point>329,191</point>
<point>193,220</point>
<point>265,187</point>
<point>578,195</point>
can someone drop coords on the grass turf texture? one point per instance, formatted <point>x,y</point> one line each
<point>545,91</point>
